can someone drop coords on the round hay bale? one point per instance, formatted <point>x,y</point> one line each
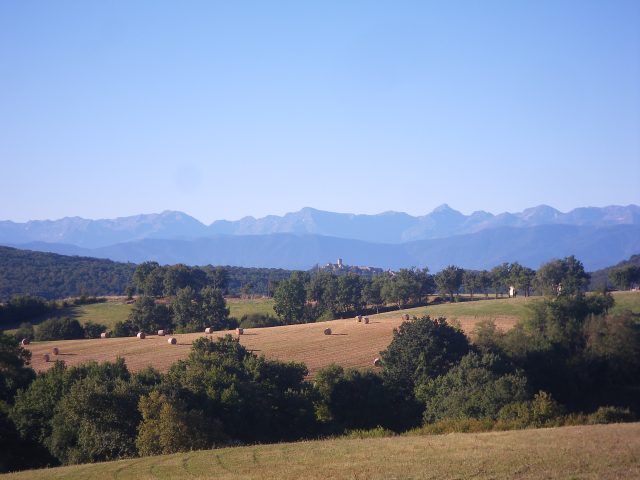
<point>359,317</point>
<point>405,316</point>
<point>141,336</point>
<point>45,357</point>
<point>104,335</point>
<point>161,333</point>
<point>172,341</point>
<point>240,331</point>
<point>55,350</point>
<point>25,341</point>
<point>377,362</point>
<point>366,320</point>
<point>327,331</point>
<point>208,330</point>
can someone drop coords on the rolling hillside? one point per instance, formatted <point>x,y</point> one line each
<point>605,452</point>
<point>351,344</point>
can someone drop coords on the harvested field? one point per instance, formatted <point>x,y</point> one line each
<point>603,452</point>
<point>351,344</point>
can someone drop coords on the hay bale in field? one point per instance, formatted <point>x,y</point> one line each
<point>55,350</point>
<point>104,335</point>
<point>208,330</point>
<point>161,333</point>
<point>45,357</point>
<point>327,331</point>
<point>366,320</point>
<point>141,335</point>
<point>405,317</point>
<point>240,331</point>
<point>25,341</point>
<point>172,341</point>
<point>359,317</point>
<point>377,362</point>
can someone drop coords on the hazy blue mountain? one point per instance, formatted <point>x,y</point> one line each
<point>596,247</point>
<point>387,227</point>
<point>97,233</point>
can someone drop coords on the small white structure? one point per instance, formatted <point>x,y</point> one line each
<point>512,291</point>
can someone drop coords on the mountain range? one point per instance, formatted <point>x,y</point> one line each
<point>598,236</point>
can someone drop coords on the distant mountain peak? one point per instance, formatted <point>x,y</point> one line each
<point>443,208</point>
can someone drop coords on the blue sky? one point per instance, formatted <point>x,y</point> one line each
<point>227,109</point>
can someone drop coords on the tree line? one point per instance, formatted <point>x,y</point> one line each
<point>309,296</point>
<point>569,362</point>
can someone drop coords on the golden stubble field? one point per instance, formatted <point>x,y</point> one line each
<point>604,452</point>
<point>351,344</point>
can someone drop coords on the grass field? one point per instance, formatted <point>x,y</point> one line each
<point>351,344</point>
<point>240,307</point>
<point>586,452</point>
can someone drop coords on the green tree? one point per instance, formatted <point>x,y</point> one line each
<point>176,277</point>
<point>402,287</point>
<point>471,281</point>
<point>186,309</point>
<point>141,273</point>
<point>566,276</point>
<point>95,421</point>
<point>477,387</point>
<point>147,315</point>
<point>168,426</point>
<point>14,370</point>
<point>349,296</point>
<point>214,309</point>
<point>500,278</point>
<point>625,277</point>
<point>420,350</point>
<point>521,278</point>
<point>352,399</point>
<point>59,329</point>
<point>449,280</point>
<point>372,292</point>
<point>289,300</point>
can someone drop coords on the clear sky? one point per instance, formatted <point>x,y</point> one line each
<point>227,109</point>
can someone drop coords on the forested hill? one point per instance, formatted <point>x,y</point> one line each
<point>600,278</point>
<point>54,276</point>
<point>50,275</point>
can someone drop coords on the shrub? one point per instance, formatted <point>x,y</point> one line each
<point>478,387</point>
<point>258,320</point>
<point>377,432</point>
<point>124,329</point>
<point>59,329</point>
<point>455,425</point>
<point>93,330</point>
<point>610,415</point>
<point>542,411</point>
<point>25,331</point>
